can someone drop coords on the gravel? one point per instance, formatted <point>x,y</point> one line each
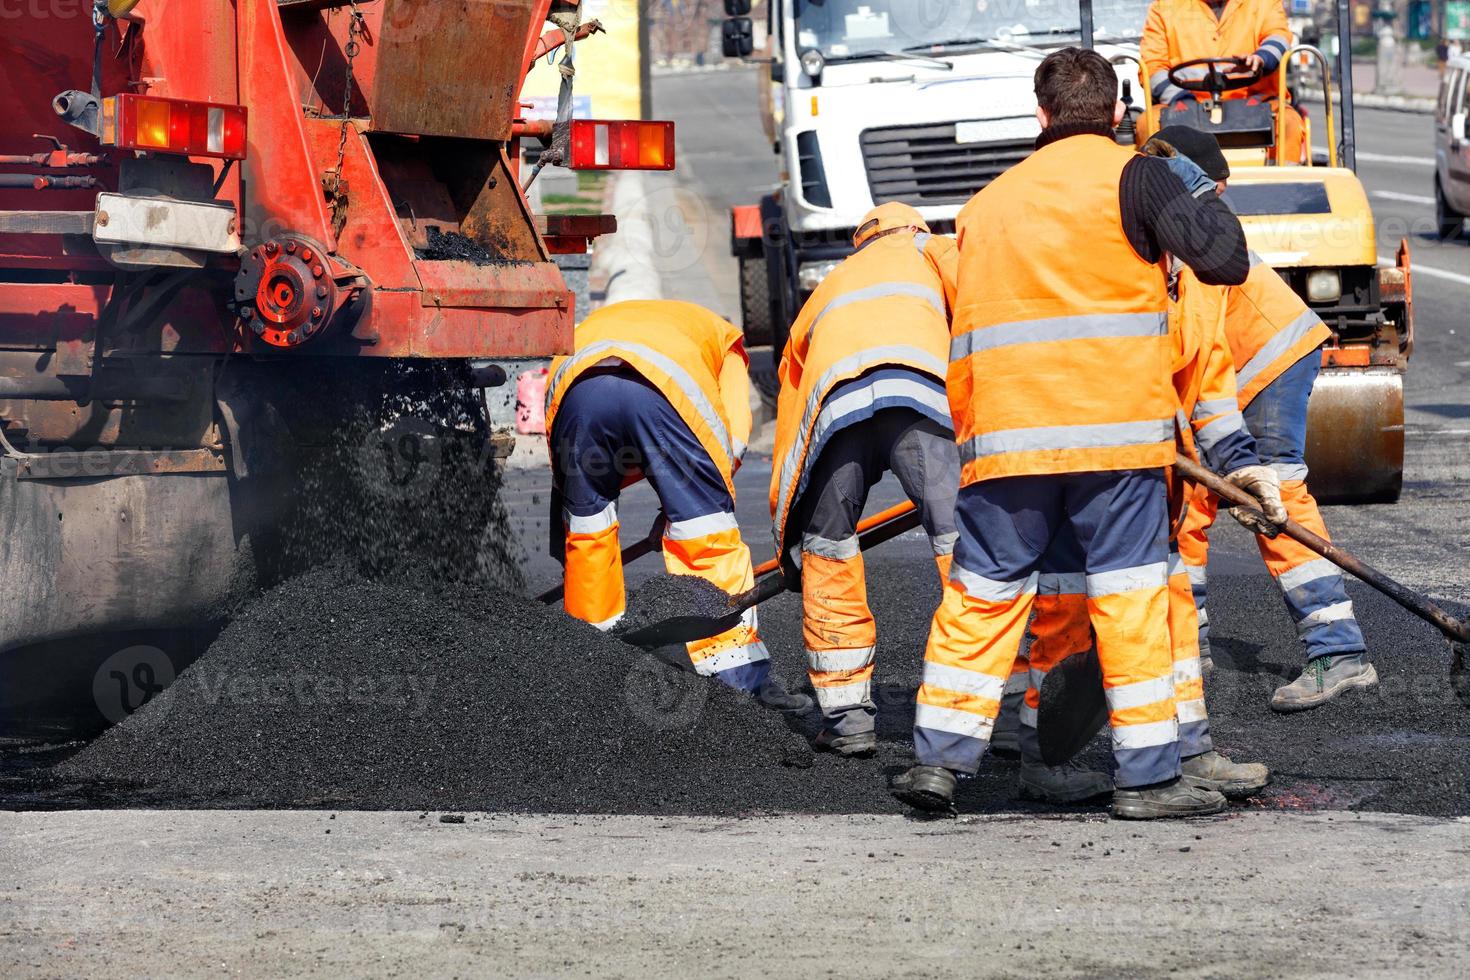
<point>665,597</point>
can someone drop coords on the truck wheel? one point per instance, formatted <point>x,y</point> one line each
<point>1446,219</point>
<point>755,302</point>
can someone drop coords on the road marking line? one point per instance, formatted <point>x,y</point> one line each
<point>1431,271</point>
<point>1395,158</point>
<point>1400,196</point>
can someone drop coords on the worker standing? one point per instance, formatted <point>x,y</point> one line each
<point>1255,31</point>
<point>862,393</point>
<point>658,389</point>
<point>1275,342</point>
<point>1060,390</point>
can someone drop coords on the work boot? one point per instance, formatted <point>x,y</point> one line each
<point>849,746</point>
<point>1236,780</point>
<point>1180,797</point>
<point>1323,679</point>
<point>1068,783</point>
<point>1005,737</point>
<point>773,694</point>
<point>928,788</point>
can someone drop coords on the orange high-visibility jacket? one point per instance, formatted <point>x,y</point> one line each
<point>1269,329</point>
<point>887,304</point>
<point>696,360</point>
<point>1060,360</point>
<point>1204,373</point>
<point>1177,31</point>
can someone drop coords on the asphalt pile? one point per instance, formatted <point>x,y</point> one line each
<point>335,690</point>
<point>452,246</point>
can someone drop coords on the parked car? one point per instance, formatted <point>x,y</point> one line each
<point>1452,150</point>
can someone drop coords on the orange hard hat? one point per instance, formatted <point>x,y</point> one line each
<point>887,217</point>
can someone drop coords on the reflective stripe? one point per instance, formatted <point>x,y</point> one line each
<point>1155,575</point>
<point>1139,693</point>
<point>1058,437</point>
<point>1146,736</point>
<point>921,239</point>
<point>855,364</point>
<point>1312,571</point>
<point>1017,683</point>
<point>845,695</point>
<point>989,589</point>
<point>1190,712</point>
<point>698,527</point>
<point>1089,326</point>
<point>750,653</point>
<point>1226,425</point>
<point>954,722</point>
<point>813,544</point>
<point>944,543</point>
<point>1283,341</point>
<point>1163,89</point>
<point>739,448</point>
<point>1061,583</point>
<point>608,624</point>
<point>1334,613</point>
<point>1187,670</point>
<point>964,681</point>
<point>1217,406</point>
<point>1176,564</point>
<point>882,290</point>
<point>834,661</point>
<point>593,353</point>
<point>1027,715</point>
<point>1036,676</point>
<point>1289,471</point>
<point>1198,574</point>
<point>593,523</point>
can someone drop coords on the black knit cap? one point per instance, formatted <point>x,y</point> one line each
<point>1198,146</point>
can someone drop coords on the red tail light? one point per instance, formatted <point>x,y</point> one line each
<point>196,129</point>
<point>601,144</point>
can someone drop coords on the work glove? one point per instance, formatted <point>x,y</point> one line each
<point>1262,483</point>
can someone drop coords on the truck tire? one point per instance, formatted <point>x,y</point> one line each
<point>756,318</point>
<point>1448,221</point>
<point>755,302</point>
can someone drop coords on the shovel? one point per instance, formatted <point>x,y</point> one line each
<point>1073,706</point>
<point>770,582</point>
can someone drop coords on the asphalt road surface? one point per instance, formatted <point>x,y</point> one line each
<point>1305,884</point>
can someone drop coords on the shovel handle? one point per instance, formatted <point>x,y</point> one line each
<point>865,525</point>
<point>1417,604</point>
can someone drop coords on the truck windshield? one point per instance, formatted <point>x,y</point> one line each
<point>863,28</point>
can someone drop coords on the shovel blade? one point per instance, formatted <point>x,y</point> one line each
<point>1073,707</point>
<point>680,629</point>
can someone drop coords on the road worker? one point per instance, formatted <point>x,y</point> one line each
<point>1212,431</point>
<point>862,393</point>
<point>658,389</point>
<point>1274,342</point>
<point>1256,31</point>
<point>1060,391</point>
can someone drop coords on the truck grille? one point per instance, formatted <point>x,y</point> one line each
<point>925,165</point>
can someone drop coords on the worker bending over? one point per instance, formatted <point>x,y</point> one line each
<point>1274,342</point>
<point>658,389</point>
<point>1059,386</point>
<point>862,393</point>
<point>1256,31</point>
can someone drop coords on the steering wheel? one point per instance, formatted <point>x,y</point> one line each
<point>1221,75</point>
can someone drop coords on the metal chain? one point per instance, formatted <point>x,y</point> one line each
<point>335,183</point>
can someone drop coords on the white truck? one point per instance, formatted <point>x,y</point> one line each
<point>869,101</point>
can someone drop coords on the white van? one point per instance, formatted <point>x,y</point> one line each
<point>1452,149</point>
